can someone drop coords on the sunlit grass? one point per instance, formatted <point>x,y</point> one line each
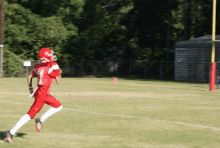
<point>129,114</point>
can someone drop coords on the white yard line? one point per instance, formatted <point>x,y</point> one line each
<point>117,115</point>
<point>127,116</point>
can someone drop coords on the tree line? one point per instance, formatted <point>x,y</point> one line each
<point>83,30</point>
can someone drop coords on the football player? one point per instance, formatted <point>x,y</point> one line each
<point>46,72</point>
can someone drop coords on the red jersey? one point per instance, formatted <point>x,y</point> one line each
<point>46,72</point>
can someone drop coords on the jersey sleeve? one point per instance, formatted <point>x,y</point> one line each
<point>34,71</point>
<point>54,70</point>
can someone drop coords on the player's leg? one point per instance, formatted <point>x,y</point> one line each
<point>40,97</point>
<point>9,136</point>
<point>35,108</point>
<point>56,107</point>
<point>19,124</point>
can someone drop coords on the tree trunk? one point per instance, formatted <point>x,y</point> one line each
<point>187,21</point>
<point>196,22</point>
<point>184,23</point>
<point>168,31</point>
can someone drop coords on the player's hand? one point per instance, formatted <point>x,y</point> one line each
<point>35,75</point>
<point>60,71</point>
<point>31,90</point>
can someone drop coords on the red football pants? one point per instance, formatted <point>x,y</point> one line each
<point>40,99</point>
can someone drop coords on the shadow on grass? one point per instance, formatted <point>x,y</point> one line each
<point>20,135</point>
<point>3,136</point>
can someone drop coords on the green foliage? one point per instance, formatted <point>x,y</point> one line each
<point>136,65</point>
<point>100,30</point>
<point>12,64</point>
<point>81,30</point>
<point>27,32</point>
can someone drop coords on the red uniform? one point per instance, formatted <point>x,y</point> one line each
<point>46,73</point>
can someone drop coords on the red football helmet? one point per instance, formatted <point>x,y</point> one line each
<point>46,55</point>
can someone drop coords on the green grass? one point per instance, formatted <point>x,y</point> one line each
<point>129,114</point>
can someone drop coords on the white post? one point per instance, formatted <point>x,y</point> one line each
<point>26,64</point>
<point>26,71</point>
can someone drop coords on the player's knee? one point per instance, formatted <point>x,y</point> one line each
<point>32,115</point>
<point>60,108</point>
<point>57,104</point>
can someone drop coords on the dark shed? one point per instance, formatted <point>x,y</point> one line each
<point>193,59</point>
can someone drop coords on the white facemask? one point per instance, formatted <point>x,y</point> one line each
<point>54,57</point>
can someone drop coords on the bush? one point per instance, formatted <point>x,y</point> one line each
<point>12,64</point>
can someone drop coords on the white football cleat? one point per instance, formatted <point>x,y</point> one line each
<point>38,124</point>
<point>9,136</point>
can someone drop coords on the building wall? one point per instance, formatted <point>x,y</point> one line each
<point>193,59</point>
<point>192,64</point>
<point>181,71</point>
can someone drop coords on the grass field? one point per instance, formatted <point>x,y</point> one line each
<point>129,114</point>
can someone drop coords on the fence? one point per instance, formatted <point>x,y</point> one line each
<point>127,69</point>
<point>24,71</point>
<point>161,70</point>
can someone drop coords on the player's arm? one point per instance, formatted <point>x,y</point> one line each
<point>55,73</point>
<point>58,78</point>
<point>29,81</point>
